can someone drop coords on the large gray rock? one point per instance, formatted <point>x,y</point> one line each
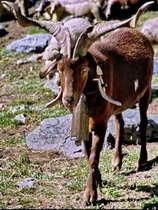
<point>131,136</point>
<point>54,133</point>
<point>31,43</point>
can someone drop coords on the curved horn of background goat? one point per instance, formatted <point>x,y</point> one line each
<point>56,100</point>
<point>93,33</point>
<point>60,32</point>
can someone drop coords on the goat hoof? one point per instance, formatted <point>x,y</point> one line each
<point>116,168</point>
<point>90,197</point>
<point>87,203</point>
<point>116,161</point>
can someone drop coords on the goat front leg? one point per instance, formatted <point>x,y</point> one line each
<point>93,149</point>
<point>117,155</point>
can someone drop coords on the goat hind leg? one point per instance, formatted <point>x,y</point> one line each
<point>117,155</point>
<point>143,106</point>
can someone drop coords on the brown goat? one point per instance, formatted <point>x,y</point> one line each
<point>126,60</point>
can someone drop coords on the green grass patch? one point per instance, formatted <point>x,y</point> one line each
<point>36,30</point>
<point>155,78</point>
<point>13,141</point>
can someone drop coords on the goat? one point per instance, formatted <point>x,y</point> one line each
<point>58,9</point>
<point>126,61</point>
<point>64,32</point>
<point>112,74</point>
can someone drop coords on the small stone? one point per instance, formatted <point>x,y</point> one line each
<point>18,108</point>
<point>28,182</point>
<point>2,106</point>
<point>20,118</point>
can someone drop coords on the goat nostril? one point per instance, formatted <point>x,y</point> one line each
<point>69,99</point>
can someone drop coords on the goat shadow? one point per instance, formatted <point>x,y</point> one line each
<point>149,165</point>
<point>153,190</point>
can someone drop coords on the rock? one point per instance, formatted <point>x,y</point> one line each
<point>18,108</point>
<point>30,43</point>
<point>3,31</point>
<point>28,182</point>
<point>52,83</point>
<point>155,67</point>
<point>21,118</point>
<point>71,150</point>
<point>131,135</point>
<point>32,58</point>
<point>54,133</point>
<point>150,29</point>
<point>2,106</point>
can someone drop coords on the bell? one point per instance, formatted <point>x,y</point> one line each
<point>79,123</point>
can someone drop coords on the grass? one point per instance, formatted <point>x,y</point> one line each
<point>66,181</point>
<point>35,30</point>
<point>60,181</point>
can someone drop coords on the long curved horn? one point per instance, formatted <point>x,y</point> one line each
<point>60,32</point>
<point>56,100</point>
<point>93,33</point>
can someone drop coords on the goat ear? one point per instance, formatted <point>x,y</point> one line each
<point>82,44</point>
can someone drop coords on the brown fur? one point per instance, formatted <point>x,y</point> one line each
<point>126,59</point>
